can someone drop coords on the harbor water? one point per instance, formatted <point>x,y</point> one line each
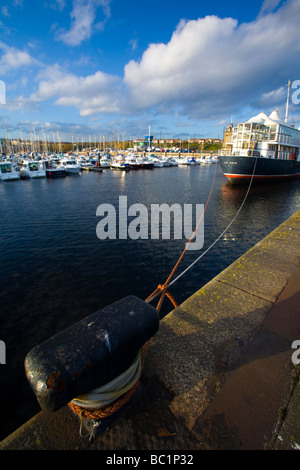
<point>55,270</point>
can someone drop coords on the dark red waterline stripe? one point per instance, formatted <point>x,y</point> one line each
<point>228,175</point>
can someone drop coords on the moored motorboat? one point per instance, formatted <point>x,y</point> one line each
<point>105,162</point>
<point>166,162</point>
<point>208,160</point>
<point>119,164</point>
<point>32,169</point>
<point>187,161</point>
<point>132,162</point>
<point>173,161</point>
<point>8,172</point>
<point>53,169</point>
<point>157,162</point>
<point>71,166</point>
<point>145,164</point>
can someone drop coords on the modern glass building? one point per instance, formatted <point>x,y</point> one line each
<point>266,137</point>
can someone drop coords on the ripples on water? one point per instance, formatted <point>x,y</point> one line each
<point>54,270</point>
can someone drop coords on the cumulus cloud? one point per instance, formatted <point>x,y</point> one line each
<point>209,69</point>
<point>83,21</point>
<point>13,58</point>
<point>210,62</point>
<point>91,94</point>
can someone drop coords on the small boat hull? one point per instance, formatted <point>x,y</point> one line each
<point>56,173</point>
<point>120,166</point>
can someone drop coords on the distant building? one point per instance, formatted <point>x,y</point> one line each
<point>141,145</point>
<point>227,139</point>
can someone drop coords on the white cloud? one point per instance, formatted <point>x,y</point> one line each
<point>13,58</point>
<point>268,6</point>
<point>133,43</point>
<point>55,4</point>
<point>61,4</point>
<point>208,70</point>
<point>91,94</point>
<point>83,21</point>
<point>211,63</point>
<point>4,10</point>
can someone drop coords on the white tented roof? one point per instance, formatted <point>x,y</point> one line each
<point>262,118</point>
<point>274,116</point>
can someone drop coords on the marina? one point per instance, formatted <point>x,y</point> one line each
<point>39,165</point>
<point>55,270</point>
<point>150,228</point>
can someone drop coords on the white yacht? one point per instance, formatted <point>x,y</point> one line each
<point>32,169</point>
<point>53,169</point>
<point>133,162</point>
<point>187,161</point>
<point>157,162</point>
<point>71,166</point>
<point>105,162</point>
<point>208,160</point>
<point>7,172</point>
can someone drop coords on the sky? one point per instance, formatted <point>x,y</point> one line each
<point>90,69</point>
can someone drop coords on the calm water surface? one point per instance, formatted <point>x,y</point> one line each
<point>54,270</point>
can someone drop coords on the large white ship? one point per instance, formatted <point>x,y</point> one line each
<point>264,148</point>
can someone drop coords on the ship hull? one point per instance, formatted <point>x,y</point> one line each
<point>239,170</point>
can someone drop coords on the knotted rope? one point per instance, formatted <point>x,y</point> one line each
<point>106,400</point>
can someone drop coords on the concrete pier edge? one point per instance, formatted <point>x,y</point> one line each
<point>218,374</point>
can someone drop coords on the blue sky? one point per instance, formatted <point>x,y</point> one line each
<point>85,69</point>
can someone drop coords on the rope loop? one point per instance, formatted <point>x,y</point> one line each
<point>88,403</point>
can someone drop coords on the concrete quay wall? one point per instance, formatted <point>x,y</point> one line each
<point>218,374</point>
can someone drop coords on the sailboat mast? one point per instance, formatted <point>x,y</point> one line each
<point>287,101</point>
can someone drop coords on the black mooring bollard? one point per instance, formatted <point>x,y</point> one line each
<point>90,353</point>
